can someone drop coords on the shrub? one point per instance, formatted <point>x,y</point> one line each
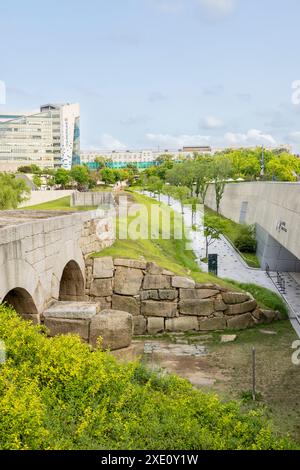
<point>56,394</point>
<point>245,240</point>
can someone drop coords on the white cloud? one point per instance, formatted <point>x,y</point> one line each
<point>218,7</point>
<point>108,142</point>
<point>211,122</point>
<point>251,137</point>
<point>294,137</point>
<point>177,141</point>
<point>169,6</point>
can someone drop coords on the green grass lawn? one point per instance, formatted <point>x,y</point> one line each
<point>173,255</point>
<point>61,204</point>
<point>231,231</point>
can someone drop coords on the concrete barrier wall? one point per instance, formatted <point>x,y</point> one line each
<point>273,206</point>
<point>39,197</point>
<point>97,198</point>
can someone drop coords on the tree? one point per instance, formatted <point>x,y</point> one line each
<point>81,175</point>
<point>62,178</point>
<point>181,194</point>
<point>37,181</point>
<point>108,175</point>
<point>155,185</point>
<point>30,169</point>
<point>13,191</point>
<point>102,161</point>
<point>220,171</point>
<point>213,228</point>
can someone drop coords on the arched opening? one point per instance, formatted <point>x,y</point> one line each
<point>72,283</point>
<point>21,301</point>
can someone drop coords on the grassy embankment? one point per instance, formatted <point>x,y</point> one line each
<point>173,255</point>
<point>61,204</point>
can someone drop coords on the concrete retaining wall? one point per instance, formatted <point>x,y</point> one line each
<point>275,207</point>
<point>39,197</point>
<point>97,198</point>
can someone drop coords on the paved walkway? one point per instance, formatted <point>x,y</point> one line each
<point>232,266</point>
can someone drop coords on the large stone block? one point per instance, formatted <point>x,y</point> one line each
<point>240,322</point>
<point>196,307</point>
<point>63,326</point>
<point>268,316</point>
<point>156,281</point>
<point>189,294</point>
<point>235,297</point>
<point>149,295</point>
<point>212,324</point>
<point>168,294</point>
<point>220,305</point>
<point>153,268</point>
<point>182,324</point>
<point>103,267</point>
<point>128,281</point>
<point>102,288</point>
<point>114,327</point>
<point>183,282</point>
<point>139,325</point>
<point>126,304</point>
<point>130,263</point>
<point>238,309</point>
<point>71,310</point>
<point>155,325</point>
<point>150,308</point>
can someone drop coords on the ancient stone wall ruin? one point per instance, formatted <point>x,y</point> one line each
<point>161,301</point>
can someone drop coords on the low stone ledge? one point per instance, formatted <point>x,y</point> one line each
<point>168,294</point>
<point>149,295</point>
<point>240,322</point>
<point>63,326</point>
<point>235,297</point>
<point>212,324</point>
<point>71,310</point>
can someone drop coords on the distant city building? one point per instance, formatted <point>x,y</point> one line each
<point>142,158</point>
<point>50,138</point>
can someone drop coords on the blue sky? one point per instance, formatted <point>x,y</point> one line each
<point>151,73</point>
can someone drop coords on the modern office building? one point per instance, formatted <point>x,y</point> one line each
<point>50,138</point>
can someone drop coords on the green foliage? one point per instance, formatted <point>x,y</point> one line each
<point>30,169</point>
<point>37,181</point>
<point>81,176</point>
<point>245,241</point>
<point>56,394</point>
<point>13,191</point>
<point>62,177</point>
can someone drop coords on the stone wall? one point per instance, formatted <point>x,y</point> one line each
<point>96,198</point>
<point>161,301</point>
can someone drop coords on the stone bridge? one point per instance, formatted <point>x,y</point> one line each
<point>42,256</point>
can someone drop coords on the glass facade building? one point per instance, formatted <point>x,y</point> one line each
<point>50,138</point>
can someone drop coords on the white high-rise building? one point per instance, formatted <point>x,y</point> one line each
<point>50,138</point>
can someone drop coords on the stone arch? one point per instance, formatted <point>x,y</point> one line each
<point>72,283</point>
<point>23,303</point>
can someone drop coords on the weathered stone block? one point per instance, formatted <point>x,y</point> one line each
<point>103,268</point>
<point>150,308</point>
<point>130,263</point>
<point>139,325</point>
<point>220,305</point>
<point>189,294</point>
<point>240,322</point>
<point>128,281</point>
<point>153,268</point>
<point>155,325</point>
<point>71,310</point>
<point>182,324</point>
<point>183,282</point>
<point>211,324</point>
<point>168,294</point>
<point>61,326</point>
<point>268,316</point>
<point>196,307</point>
<point>156,281</point>
<point>149,295</point>
<point>126,304</point>
<point>102,288</point>
<point>238,309</point>
<point>235,297</point>
<point>114,327</point>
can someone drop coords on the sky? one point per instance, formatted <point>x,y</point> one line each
<point>158,73</point>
